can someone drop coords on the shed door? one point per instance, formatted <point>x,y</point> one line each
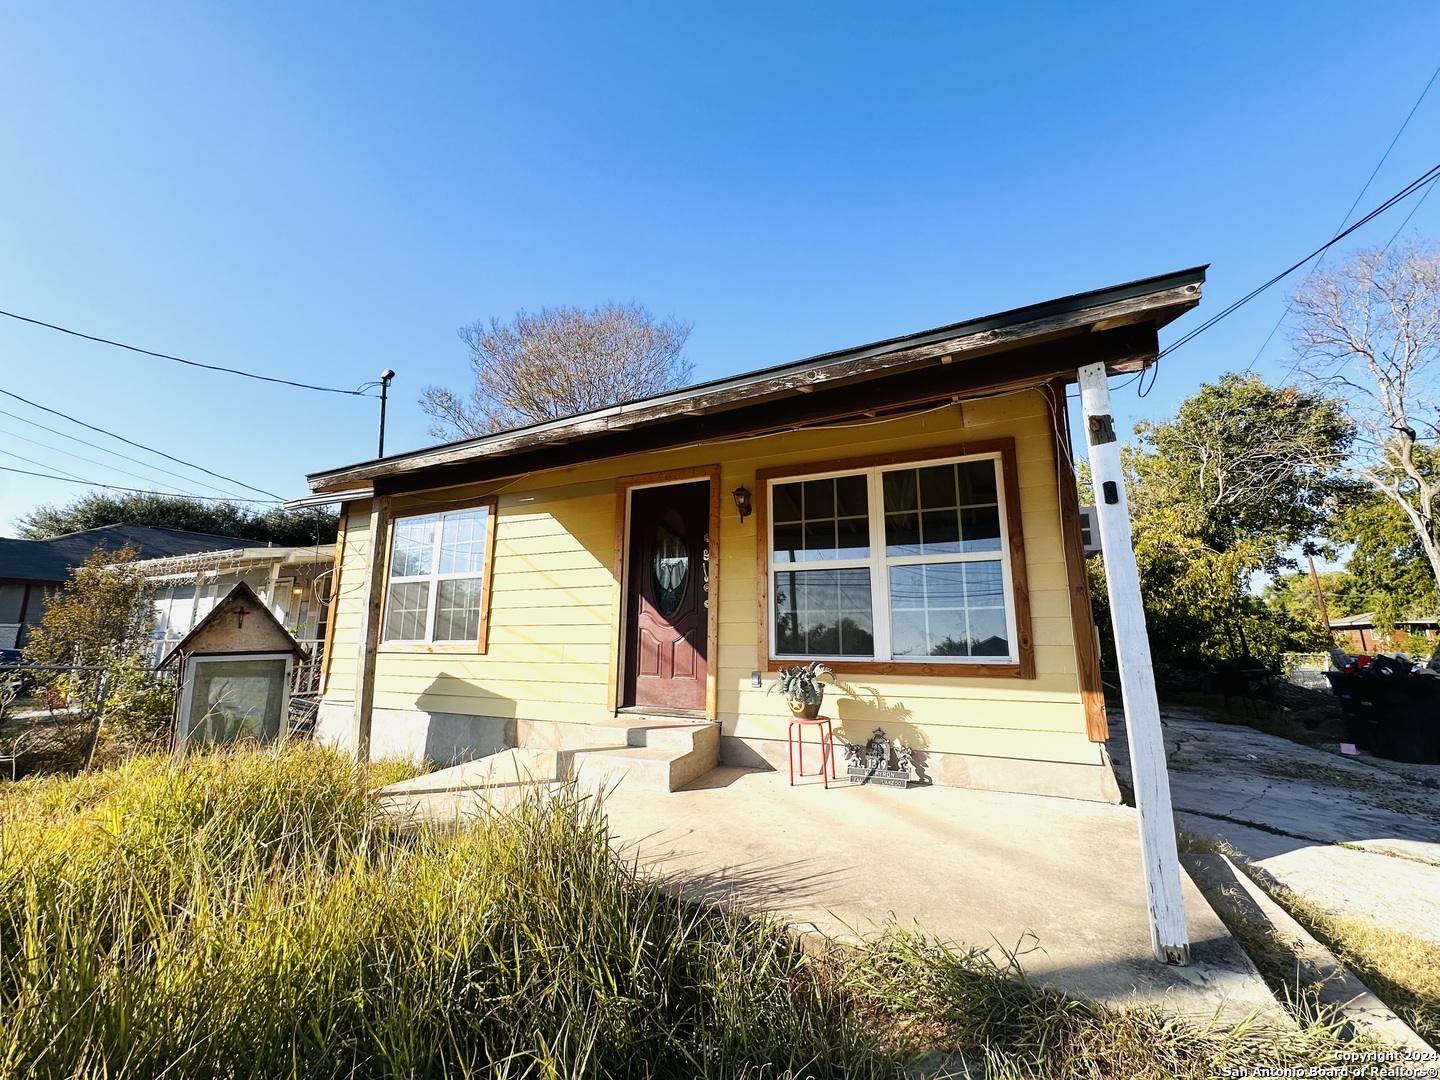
<point>666,578</point>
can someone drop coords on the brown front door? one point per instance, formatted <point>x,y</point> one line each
<point>666,582</point>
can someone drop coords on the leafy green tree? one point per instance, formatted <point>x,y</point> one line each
<point>1293,595</point>
<point>100,616</point>
<point>286,528</point>
<point>1218,494</point>
<point>1242,466</point>
<point>1390,574</point>
<point>98,627</point>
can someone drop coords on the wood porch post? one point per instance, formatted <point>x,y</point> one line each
<point>270,583</point>
<point>370,624</point>
<point>1169,936</point>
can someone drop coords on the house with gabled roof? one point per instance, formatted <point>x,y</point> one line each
<point>32,569</point>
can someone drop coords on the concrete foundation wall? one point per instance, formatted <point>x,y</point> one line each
<point>1094,781</point>
<point>412,735</point>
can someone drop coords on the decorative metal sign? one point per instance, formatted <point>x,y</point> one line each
<point>870,764</point>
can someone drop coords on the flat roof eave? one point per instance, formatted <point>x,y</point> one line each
<point>1156,301</point>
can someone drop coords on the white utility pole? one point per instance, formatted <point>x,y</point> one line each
<point>1169,936</point>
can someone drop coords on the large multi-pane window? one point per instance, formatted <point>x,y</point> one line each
<point>895,563</point>
<point>437,576</point>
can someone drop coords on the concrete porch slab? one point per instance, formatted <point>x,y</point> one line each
<point>1058,881</point>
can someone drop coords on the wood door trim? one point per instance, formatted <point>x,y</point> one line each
<point>619,629</point>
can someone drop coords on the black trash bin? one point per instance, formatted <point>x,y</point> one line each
<point>1402,715</point>
<point>1344,685</point>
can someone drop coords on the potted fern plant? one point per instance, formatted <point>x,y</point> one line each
<point>803,687</point>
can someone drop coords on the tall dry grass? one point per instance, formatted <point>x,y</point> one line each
<point>254,914</point>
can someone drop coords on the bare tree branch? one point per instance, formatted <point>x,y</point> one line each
<point>559,362</point>
<point>1372,328</point>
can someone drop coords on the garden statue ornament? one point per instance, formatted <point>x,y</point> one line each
<point>877,750</point>
<point>869,762</point>
<point>903,757</point>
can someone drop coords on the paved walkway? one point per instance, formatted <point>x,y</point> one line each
<point>1290,808</point>
<point>1057,880</point>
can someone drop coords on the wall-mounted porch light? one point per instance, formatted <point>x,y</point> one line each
<point>742,501</point>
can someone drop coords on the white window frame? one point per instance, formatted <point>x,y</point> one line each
<point>879,564</point>
<point>434,577</point>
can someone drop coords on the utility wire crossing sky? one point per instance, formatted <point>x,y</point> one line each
<point>288,203</point>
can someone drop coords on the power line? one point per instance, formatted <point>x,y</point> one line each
<point>360,392</point>
<point>1408,117</point>
<point>142,446</point>
<point>1373,173</point>
<point>30,441</point>
<point>1418,203</point>
<point>116,487</point>
<point>1409,189</point>
<point>43,465</point>
<point>114,453</point>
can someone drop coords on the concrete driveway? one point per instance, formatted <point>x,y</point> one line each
<point>1056,880</point>
<point>1358,836</point>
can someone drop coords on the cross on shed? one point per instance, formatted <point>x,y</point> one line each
<point>234,680</point>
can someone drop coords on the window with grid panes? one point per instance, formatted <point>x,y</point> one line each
<point>437,575</point>
<point>895,563</point>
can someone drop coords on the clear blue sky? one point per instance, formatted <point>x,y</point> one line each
<point>322,191</point>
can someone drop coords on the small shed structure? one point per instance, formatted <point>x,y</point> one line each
<point>235,670</point>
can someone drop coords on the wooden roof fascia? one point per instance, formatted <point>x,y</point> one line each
<point>243,592</point>
<point>1030,365</point>
<point>1155,301</point>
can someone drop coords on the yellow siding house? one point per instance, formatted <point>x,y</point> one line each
<point>903,511</point>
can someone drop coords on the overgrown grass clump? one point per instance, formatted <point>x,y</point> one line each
<point>253,914</point>
<point>256,914</point>
<point>1402,970</point>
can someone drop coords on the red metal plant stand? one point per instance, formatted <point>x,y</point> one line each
<point>795,744</point>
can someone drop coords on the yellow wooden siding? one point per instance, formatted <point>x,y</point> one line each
<point>551,621</point>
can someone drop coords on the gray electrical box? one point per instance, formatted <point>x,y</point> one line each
<point>1089,530</point>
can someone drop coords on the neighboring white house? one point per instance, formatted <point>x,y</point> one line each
<point>293,582</point>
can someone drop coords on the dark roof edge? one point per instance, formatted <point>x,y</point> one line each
<point>243,591</point>
<point>235,541</point>
<point>1046,309</point>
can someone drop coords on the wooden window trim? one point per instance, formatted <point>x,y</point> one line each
<point>482,643</point>
<point>1004,449</point>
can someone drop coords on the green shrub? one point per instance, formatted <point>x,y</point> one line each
<point>139,705</point>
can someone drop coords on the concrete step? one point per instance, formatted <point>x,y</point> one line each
<point>659,755</point>
<point>650,753</point>
<point>660,732</point>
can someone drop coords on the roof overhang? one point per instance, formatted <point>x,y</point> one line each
<point>306,502</point>
<point>234,558</point>
<point>1028,346</point>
